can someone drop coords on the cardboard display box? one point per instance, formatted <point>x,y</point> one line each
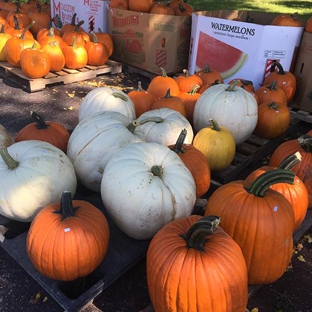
<point>240,49</point>
<point>92,12</point>
<point>150,41</point>
<point>303,69</point>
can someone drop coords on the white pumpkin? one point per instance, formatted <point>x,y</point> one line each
<point>106,99</point>
<point>168,129</point>
<point>33,174</point>
<point>5,138</point>
<point>231,107</point>
<point>95,140</point>
<point>145,186</point>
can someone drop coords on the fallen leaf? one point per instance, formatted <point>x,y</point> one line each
<point>308,237</point>
<point>71,95</point>
<point>301,258</point>
<point>45,299</point>
<point>36,299</point>
<point>254,310</point>
<point>299,246</point>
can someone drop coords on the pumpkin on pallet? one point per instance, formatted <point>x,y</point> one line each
<point>36,174</point>
<point>261,220</point>
<point>68,225</point>
<point>193,265</point>
<point>231,106</point>
<point>154,187</point>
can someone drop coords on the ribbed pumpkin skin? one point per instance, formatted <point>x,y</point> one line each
<point>69,249</point>
<point>263,233</point>
<point>182,279</point>
<point>296,193</point>
<point>303,170</point>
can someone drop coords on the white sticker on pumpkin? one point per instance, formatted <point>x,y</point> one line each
<point>275,208</point>
<point>67,230</point>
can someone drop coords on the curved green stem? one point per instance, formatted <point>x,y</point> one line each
<point>279,67</point>
<point>119,95</point>
<point>291,161</point>
<point>67,210</point>
<point>268,178</point>
<point>8,159</point>
<point>232,85</point>
<point>305,142</point>
<point>178,147</point>
<point>215,125</point>
<point>135,123</point>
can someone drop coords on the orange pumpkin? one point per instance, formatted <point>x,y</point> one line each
<point>209,76</point>
<point>140,6</point>
<point>308,25</point>
<point>170,101</point>
<point>186,81</point>
<point>17,31</point>
<point>45,31</point>
<point>41,19</point>
<point>292,20</point>
<point>285,79</point>
<point>195,161</point>
<point>50,36</point>
<point>97,51</point>
<point>184,9</point>
<point>119,4</point>
<point>106,39</point>
<point>4,37</point>
<point>68,225</point>
<point>22,17</point>
<point>161,83</point>
<point>81,36</point>
<point>47,131</point>
<point>76,55</point>
<point>70,26</point>
<point>142,100</point>
<point>296,193</point>
<point>273,120</point>
<point>161,8</point>
<point>35,63</point>
<point>57,59</point>
<point>271,92</point>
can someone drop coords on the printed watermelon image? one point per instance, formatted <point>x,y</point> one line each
<point>224,58</point>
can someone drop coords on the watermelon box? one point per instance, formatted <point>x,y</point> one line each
<point>241,44</point>
<point>303,96</point>
<point>150,41</point>
<point>92,12</point>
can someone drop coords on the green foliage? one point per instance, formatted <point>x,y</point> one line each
<point>303,7</point>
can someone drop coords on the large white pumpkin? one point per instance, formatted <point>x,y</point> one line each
<point>145,186</point>
<point>231,107</point>
<point>42,173</point>
<point>168,129</point>
<point>106,99</point>
<point>95,140</point>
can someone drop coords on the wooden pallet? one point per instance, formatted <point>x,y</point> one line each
<point>64,76</point>
<point>301,114</point>
<point>249,153</point>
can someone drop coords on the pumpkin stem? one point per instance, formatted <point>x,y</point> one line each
<point>279,67</point>
<point>40,123</point>
<point>268,178</point>
<point>140,88</point>
<point>273,105</point>
<point>178,147</point>
<point>163,72</point>
<point>215,125</point>
<point>25,29</point>
<point>232,85</point>
<point>16,23</point>
<point>186,73</point>
<point>157,171</point>
<point>78,25</point>
<point>305,142</point>
<point>291,161</point>
<point>67,210</point>
<point>207,69</point>
<point>94,37</point>
<point>132,126</point>
<point>272,86</point>
<point>194,89</point>
<point>8,159</point>
<point>73,20</point>
<point>168,95</point>
<point>196,236</point>
<point>120,96</point>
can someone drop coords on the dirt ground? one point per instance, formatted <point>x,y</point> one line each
<point>291,293</point>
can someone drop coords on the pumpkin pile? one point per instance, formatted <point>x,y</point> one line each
<point>29,41</point>
<point>173,7</point>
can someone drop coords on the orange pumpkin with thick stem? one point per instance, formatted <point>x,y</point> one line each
<point>266,215</point>
<point>161,83</point>
<point>47,131</point>
<point>119,4</point>
<point>69,224</point>
<point>271,92</point>
<point>81,36</point>
<point>70,26</point>
<point>170,101</point>
<point>142,100</point>
<point>303,145</point>
<point>192,264</point>
<point>16,31</point>
<point>22,17</point>
<point>285,79</point>
<point>57,59</point>
<point>49,37</point>
<point>184,9</point>
<point>15,45</point>
<point>44,31</point>
<point>140,6</point>
<point>296,193</point>
<point>161,8</point>
<point>273,120</point>
<point>41,19</point>
<point>106,39</point>
<point>195,161</point>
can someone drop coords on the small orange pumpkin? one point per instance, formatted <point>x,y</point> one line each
<point>97,51</point>
<point>209,76</point>
<point>308,25</point>
<point>271,92</point>
<point>76,55</point>
<point>186,81</point>
<point>292,20</point>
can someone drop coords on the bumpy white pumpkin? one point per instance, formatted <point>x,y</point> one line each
<point>146,185</point>
<point>95,140</point>
<point>106,99</point>
<point>5,138</point>
<point>36,175</point>
<point>169,127</point>
<point>231,107</point>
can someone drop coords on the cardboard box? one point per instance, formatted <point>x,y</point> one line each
<point>92,12</point>
<point>240,49</point>
<point>150,41</point>
<point>303,70</point>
